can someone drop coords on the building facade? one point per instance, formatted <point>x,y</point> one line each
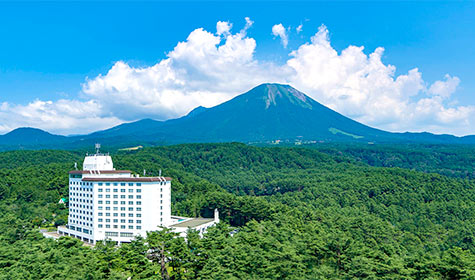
<point>118,205</point>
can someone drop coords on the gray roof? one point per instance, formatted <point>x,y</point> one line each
<point>192,223</point>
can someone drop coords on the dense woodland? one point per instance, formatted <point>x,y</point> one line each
<point>316,212</point>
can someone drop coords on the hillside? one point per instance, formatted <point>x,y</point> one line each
<point>296,213</point>
<point>266,113</point>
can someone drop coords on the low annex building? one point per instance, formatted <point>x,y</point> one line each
<point>117,205</point>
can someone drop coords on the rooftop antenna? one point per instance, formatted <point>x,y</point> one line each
<point>98,146</point>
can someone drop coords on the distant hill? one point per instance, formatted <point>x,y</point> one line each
<point>266,113</point>
<point>27,136</point>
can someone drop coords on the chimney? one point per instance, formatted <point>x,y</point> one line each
<point>216,215</point>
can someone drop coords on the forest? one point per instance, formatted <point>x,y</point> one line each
<point>335,211</point>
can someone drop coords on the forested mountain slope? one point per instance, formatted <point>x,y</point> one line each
<point>300,214</point>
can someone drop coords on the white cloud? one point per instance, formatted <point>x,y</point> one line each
<point>445,88</point>
<point>279,30</point>
<point>63,116</point>
<point>209,68</point>
<point>223,27</point>
<point>299,28</point>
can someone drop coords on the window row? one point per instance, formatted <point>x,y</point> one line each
<point>122,184</point>
<point>122,221</point>
<point>107,214</point>
<point>79,206</point>
<point>122,196</point>
<point>123,202</point>
<point>117,190</point>
<point>117,226</point>
<point>80,212</point>
<point>116,234</point>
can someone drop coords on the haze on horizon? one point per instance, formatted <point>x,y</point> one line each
<point>376,75</point>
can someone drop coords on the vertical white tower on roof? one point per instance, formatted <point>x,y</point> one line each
<point>98,161</point>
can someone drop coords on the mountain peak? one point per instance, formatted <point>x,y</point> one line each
<point>275,94</point>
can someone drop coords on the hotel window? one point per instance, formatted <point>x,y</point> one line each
<point>116,196</point>
<point>161,207</point>
<point>139,215</point>
<point>139,221</point>
<point>99,208</point>
<point>108,190</point>
<point>139,209</point>
<point>99,202</point>
<point>122,221</point>
<point>131,203</point>
<point>116,208</point>
<point>122,214</point>
<point>108,202</point>
<point>108,220</point>
<point>139,197</point>
<point>161,195</point>
<point>161,213</point>
<point>108,208</point>
<point>131,227</point>
<point>122,190</point>
<point>131,184</point>
<point>100,225</point>
<point>122,184</point>
<point>115,190</point>
<point>122,196</point>
<point>131,190</point>
<point>116,202</point>
<point>131,208</point>
<point>139,190</point>
<point>99,220</point>
<point>161,201</point>
<point>122,208</point>
<point>108,184</point>
<point>122,226</point>
<point>108,214</point>
<point>131,221</point>
<point>99,190</point>
<point>131,196</point>
<point>100,184</point>
<point>139,184</point>
<point>115,226</point>
<point>116,220</point>
<point>108,226</point>
<point>131,214</point>
<point>161,189</point>
<point>138,227</point>
<point>138,202</point>
<point>108,196</point>
<point>115,214</point>
<point>122,202</point>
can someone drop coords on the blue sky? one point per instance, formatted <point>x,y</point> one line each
<point>53,53</point>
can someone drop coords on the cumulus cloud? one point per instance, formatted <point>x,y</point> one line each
<point>63,116</point>
<point>279,30</point>
<point>223,27</point>
<point>299,28</point>
<point>445,88</point>
<point>211,67</point>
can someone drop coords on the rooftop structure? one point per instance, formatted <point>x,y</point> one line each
<point>105,203</point>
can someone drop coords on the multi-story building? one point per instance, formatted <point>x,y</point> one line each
<point>105,203</point>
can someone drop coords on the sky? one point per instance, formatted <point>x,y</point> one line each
<point>78,67</point>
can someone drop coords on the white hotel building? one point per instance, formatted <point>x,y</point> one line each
<point>105,203</point>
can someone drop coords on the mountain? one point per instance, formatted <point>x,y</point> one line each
<point>28,136</point>
<point>266,113</point>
